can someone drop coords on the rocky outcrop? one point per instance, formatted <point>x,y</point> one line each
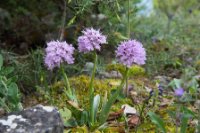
<point>38,119</point>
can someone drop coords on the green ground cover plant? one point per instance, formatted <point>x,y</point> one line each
<point>54,69</point>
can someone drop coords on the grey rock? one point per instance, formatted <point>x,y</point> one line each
<point>38,119</point>
<point>88,68</point>
<point>111,74</point>
<point>197,104</point>
<point>163,80</point>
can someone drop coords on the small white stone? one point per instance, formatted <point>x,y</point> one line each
<point>101,16</point>
<point>19,116</point>
<point>93,16</point>
<point>128,109</point>
<point>22,119</point>
<point>38,124</point>
<point>48,108</point>
<point>148,89</point>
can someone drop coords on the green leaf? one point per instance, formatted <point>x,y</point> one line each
<point>12,79</point>
<point>189,112</point>
<point>96,103</point>
<point>184,121</point>
<point>120,36</point>
<point>84,118</point>
<point>105,98</point>
<point>176,83</point>
<point>71,123</point>
<point>7,70</point>
<point>121,95</point>
<point>71,21</point>
<point>106,108</point>
<point>157,121</point>
<point>118,17</point>
<point>1,61</point>
<point>13,94</point>
<point>65,114</point>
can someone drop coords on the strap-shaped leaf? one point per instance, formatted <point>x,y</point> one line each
<point>96,103</point>
<point>1,61</point>
<point>184,125</point>
<point>84,117</point>
<point>106,107</point>
<point>188,114</point>
<point>105,110</point>
<point>157,121</point>
<point>105,99</point>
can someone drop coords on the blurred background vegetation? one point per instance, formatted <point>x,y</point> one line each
<point>168,29</point>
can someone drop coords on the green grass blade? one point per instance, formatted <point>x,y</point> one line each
<point>184,121</point>
<point>157,121</point>
<point>1,61</point>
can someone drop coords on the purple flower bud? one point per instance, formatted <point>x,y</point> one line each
<point>90,40</point>
<point>160,88</point>
<point>131,52</point>
<point>179,92</point>
<point>58,52</point>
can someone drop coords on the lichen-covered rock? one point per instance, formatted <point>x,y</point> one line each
<point>38,119</point>
<point>134,70</point>
<point>111,74</point>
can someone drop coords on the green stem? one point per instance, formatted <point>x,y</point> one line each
<point>128,35</point>
<point>142,110</point>
<point>91,89</point>
<point>66,81</point>
<point>63,21</point>
<point>128,23</point>
<point>126,78</point>
<point>141,114</point>
<point>65,78</point>
<point>4,84</point>
<point>178,110</point>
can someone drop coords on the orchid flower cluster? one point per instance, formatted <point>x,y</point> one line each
<point>58,52</point>
<point>128,53</point>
